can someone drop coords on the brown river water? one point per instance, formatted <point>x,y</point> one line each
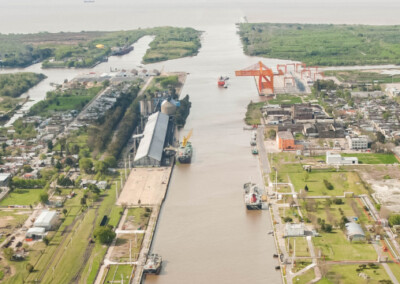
<point>204,234</point>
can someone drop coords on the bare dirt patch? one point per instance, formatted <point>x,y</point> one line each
<point>384,180</point>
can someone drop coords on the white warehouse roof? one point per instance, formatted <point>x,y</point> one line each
<point>354,229</point>
<point>45,218</point>
<point>152,143</point>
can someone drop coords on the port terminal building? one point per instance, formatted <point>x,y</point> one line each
<point>337,159</point>
<point>157,134</point>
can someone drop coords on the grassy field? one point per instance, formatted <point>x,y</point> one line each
<point>22,197</point>
<point>395,269</point>
<point>341,181</point>
<point>141,216</point>
<point>71,99</point>
<point>285,99</point>
<point>362,76</point>
<point>368,158</point>
<point>253,113</point>
<point>301,246</point>
<point>374,158</point>
<point>305,278</point>
<point>348,274</point>
<point>323,44</point>
<point>115,272</point>
<point>74,234</point>
<point>335,246</point>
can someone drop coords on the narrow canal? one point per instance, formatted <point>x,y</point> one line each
<point>205,233</point>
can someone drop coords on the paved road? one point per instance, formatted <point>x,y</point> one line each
<point>262,152</point>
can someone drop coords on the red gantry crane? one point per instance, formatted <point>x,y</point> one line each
<point>265,75</point>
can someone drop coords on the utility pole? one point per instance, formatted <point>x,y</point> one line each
<point>130,250</point>
<point>116,191</point>
<point>276,182</point>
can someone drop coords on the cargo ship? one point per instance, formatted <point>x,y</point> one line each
<point>252,196</point>
<point>121,50</point>
<point>185,150</point>
<point>222,81</point>
<point>153,264</point>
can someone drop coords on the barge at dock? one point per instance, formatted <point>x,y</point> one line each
<point>153,264</point>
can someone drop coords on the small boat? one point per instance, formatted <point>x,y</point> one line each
<point>252,196</point>
<point>253,142</point>
<point>254,151</point>
<point>153,264</point>
<point>222,81</point>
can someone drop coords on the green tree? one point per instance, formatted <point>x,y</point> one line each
<point>104,234</point>
<point>44,198</point>
<point>58,165</point>
<point>380,137</point>
<point>110,161</point>
<point>100,167</point>
<point>8,253</point>
<point>93,188</point>
<point>46,241</point>
<point>394,219</point>
<point>69,161</point>
<point>50,145</point>
<point>27,168</point>
<point>83,201</point>
<point>85,164</point>
<point>29,267</point>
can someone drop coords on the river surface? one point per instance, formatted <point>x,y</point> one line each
<point>205,234</point>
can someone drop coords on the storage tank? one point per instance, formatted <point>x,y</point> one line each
<point>168,108</point>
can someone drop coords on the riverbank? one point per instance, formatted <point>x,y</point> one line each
<point>145,188</point>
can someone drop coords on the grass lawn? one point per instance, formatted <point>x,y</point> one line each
<point>141,216</point>
<point>253,113</point>
<point>395,269</point>
<point>301,246</point>
<point>22,197</point>
<point>115,271</point>
<point>335,246</point>
<point>348,274</point>
<point>341,181</point>
<point>361,76</point>
<point>305,278</point>
<point>374,158</point>
<point>285,99</point>
<point>94,262</point>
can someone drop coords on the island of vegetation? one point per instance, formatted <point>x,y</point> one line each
<point>86,49</point>
<point>324,45</point>
<point>12,86</point>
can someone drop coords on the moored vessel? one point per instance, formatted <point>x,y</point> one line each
<point>153,264</point>
<point>184,154</point>
<point>252,196</point>
<point>185,150</point>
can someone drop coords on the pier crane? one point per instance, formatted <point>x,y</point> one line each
<point>186,138</point>
<point>265,75</point>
